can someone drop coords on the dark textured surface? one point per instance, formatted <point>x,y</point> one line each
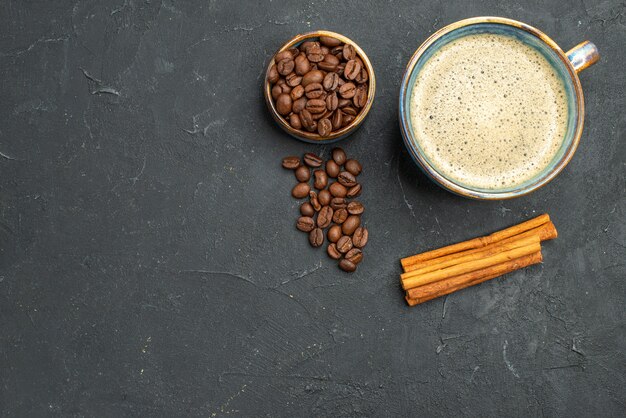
<point>149,263</point>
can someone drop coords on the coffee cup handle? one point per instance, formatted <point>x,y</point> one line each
<point>583,55</point>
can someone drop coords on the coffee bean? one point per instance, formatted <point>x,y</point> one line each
<point>312,77</point>
<point>347,265</point>
<point>329,42</point>
<point>298,105</point>
<point>293,80</point>
<point>355,256</point>
<point>272,74</point>
<point>276,91</point>
<point>296,93</point>
<point>324,197</point>
<point>354,191</point>
<point>316,106</point>
<point>349,53</point>
<point>305,224</point>
<point>285,66</point>
<point>300,190</point>
<point>334,233</point>
<point>314,91</point>
<point>347,91</point>
<point>355,208</point>
<point>349,110</point>
<point>331,81</point>
<point>362,77</point>
<point>314,201</point>
<point>306,45</point>
<point>354,167</point>
<point>352,70</point>
<point>338,203</point>
<point>351,224</point>
<point>302,65</point>
<point>303,174</point>
<point>360,236</point>
<point>347,120</point>
<point>339,156</point>
<point>337,50</point>
<point>332,169</point>
<point>324,217</point>
<point>360,97</point>
<point>283,104</point>
<point>331,101</point>
<point>337,190</point>
<point>346,178</point>
<point>344,244</point>
<point>316,237</point>
<point>283,55</point>
<point>306,209</point>
<point>312,160</point>
<point>344,103</point>
<point>294,121</point>
<point>307,119</point>
<point>321,179</point>
<point>314,53</point>
<point>333,252</point>
<point>330,63</point>
<point>337,120</point>
<point>324,127</point>
<point>294,52</point>
<point>291,162</point>
<point>340,216</point>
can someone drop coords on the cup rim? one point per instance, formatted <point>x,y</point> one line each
<point>451,185</point>
<point>314,137</point>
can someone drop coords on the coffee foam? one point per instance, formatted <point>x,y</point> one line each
<point>489,111</point>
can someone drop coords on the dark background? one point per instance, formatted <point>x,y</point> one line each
<point>149,263</point>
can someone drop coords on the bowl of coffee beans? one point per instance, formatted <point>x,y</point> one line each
<point>319,86</point>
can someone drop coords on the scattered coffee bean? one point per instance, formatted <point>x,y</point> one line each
<point>324,197</point>
<point>300,190</point>
<point>303,173</point>
<point>340,216</point>
<point>312,160</point>
<point>337,190</point>
<point>347,265</point>
<point>338,203</point>
<point>337,217</point>
<point>354,191</point>
<point>324,217</point>
<point>306,209</point>
<point>291,163</point>
<point>334,233</point>
<point>346,178</point>
<point>332,168</point>
<point>319,77</point>
<point>355,256</point>
<point>360,236</point>
<point>350,224</point>
<point>316,237</point>
<point>355,208</point>
<point>353,167</point>
<point>305,224</point>
<point>314,201</point>
<point>344,244</point>
<point>333,252</point>
<point>339,156</point>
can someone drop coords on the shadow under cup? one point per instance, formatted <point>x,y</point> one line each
<point>547,49</point>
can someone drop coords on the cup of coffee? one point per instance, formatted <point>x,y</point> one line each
<point>492,108</point>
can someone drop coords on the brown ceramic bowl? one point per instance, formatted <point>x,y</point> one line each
<point>314,137</point>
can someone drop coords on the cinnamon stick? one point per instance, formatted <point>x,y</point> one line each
<point>477,242</point>
<point>498,247</point>
<point>545,232</point>
<point>447,286</point>
<point>413,280</point>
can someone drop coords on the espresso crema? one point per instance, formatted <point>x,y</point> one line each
<point>489,111</point>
